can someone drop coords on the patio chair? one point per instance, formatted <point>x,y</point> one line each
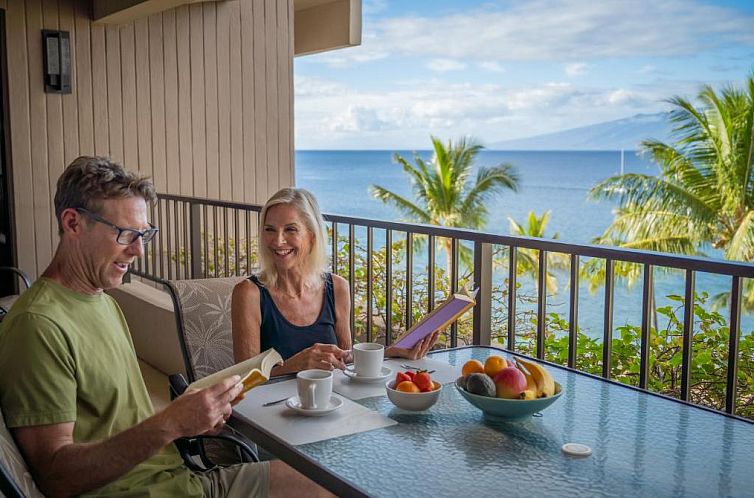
<point>15,478</point>
<point>202,315</point>
<point>7,301</point>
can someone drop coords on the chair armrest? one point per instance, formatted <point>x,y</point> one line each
<point>190,447</point>
<point>20,273</point>
<point>178,385</point>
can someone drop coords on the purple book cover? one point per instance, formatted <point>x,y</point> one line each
<point>433,322</point>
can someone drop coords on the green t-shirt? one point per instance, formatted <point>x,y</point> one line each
<point>68,357</point>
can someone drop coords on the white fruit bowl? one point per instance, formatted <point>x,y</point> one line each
<point>509,409</point>
<point>414,402</point>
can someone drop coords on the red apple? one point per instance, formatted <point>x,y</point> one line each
<point>510,382</point>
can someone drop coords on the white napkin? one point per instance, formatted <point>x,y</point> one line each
<point>296,429</point>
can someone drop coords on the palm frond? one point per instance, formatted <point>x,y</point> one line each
<point>741,245</point>
<point>414,212</point>
<point>654,193</point>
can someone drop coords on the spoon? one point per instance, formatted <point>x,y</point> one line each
<point>270,403</point>
<point>417,368</point>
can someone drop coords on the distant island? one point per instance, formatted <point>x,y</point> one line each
<point>626,133</point>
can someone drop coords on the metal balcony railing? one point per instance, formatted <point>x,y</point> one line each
<point>203,238</point>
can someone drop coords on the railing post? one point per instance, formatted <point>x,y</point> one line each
<point>370,272</point>
<point>735,329</point>
<point>431,272</point>
<point>541,304</point>
<point>688,334</point>
<point>482,320</point>
<point>455,249</point>
<point>646,322</point>
<point>352,277</point>
<point>409,278</point>
<point>607,343</point>
<point>573,315</point>
<point>195,247</point>
<point>388,287</point>
<point>512,271</point>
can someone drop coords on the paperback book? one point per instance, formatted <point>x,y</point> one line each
<point>253,372</point>
<point>442,316</point>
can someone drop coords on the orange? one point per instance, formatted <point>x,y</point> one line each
<point>494,364</point>
<point>472,366</point>
<point>407,387</point>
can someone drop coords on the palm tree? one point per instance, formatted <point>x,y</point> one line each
<point>704,195</point>
<point>528,259</point>
<point>443,192</point>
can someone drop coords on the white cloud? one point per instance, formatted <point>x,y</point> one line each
<point>575,69</point>
<point>404,117</point>
<point>571,29</point>
<point>620,97</point>
<point>307,86</point>
<point>445,65</point>
<point>632,52</point>
<point>492,66</point>
<point>371,7</point>
<point>647,69</point>
<point>356,119</point>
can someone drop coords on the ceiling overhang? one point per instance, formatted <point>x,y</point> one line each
<point>319,25</point>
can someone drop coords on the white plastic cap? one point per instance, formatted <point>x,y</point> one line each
<point>576,449</point>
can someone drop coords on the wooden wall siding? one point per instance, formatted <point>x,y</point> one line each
<point>199,97</point>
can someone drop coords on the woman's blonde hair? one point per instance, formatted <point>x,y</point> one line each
<point>308,208</point>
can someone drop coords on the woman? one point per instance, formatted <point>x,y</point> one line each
<point>293,304</point>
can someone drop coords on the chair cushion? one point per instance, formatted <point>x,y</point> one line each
<point>7,301</point>
<point>205,305</point>
<point>14,463</point>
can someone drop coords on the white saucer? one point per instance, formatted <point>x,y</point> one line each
<point>295,404</point>
<point>351,374</point>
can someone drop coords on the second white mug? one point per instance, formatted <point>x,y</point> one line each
<point>367,358</point>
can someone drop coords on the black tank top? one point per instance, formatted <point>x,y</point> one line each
<point>288,339</point>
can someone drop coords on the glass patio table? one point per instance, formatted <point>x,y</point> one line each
<point>642,445</point>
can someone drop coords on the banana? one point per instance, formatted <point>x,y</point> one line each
<point>529,394</point>
<point>531,384</point>
<point>545,382</point>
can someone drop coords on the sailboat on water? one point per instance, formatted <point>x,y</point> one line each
<point>622,164</point>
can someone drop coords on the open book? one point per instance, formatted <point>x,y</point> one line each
<point>253,372</point>
<point>442,316</point>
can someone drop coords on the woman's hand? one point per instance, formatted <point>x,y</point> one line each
<point>321,356</point>
<point>419,350</point>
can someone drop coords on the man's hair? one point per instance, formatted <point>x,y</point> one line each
<point>308,208</point>
<point>88,181</point>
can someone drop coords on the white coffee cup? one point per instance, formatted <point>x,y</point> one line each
<point>314,389</point>
<point>367,358</point>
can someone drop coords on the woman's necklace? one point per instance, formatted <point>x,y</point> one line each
<point>291,295</point>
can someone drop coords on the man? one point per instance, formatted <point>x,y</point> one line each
<point>70,387</point>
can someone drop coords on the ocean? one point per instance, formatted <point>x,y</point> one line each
<point>555,181</point>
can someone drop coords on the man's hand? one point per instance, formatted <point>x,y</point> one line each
<point>204,411</point>
<point>64,468</point>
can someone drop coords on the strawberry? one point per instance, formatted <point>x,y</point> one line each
<point>400,377</point>
<point>423,380</point>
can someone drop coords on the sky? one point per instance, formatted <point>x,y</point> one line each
<point>500,70</point>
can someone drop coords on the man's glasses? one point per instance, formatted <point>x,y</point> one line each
<point>126,236</point>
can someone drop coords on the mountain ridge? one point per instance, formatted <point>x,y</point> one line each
<point>626,133</point>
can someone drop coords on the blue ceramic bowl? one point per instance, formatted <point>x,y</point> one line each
<point>509,409</point>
